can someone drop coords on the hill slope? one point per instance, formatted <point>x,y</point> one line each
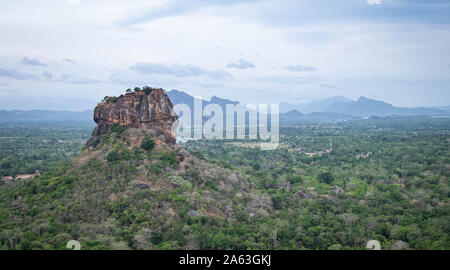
<point>128,193</point>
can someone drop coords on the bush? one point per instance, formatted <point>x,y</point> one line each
<point>268,182</point>
<point>180,182</point>
<point>82,148</point>
<point>148,144</point>
<point>117,128</point>
<point>113,156</point>
<point>155,168</point>
<point>295,179</point>
<point>198,155</point>
<point>168,158</point>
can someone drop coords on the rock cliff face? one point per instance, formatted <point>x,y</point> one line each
<point>152,112</point>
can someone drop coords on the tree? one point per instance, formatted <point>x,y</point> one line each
<point>128,90</point>
<point>6,165</point>
<point>147,90</point>
<point>137,89</point>
<point>280,200</point>
<point>326,178</point>
<point>110,99</point>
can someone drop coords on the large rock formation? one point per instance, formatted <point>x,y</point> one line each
<point>151,111</point>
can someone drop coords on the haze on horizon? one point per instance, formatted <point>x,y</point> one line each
<point>69,54</point>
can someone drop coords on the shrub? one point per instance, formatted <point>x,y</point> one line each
<point>155,168</point>
<point>256,166</point>
<point>168,158</point>
<point>295,179</point>
<point>268,182</point>
<point>117,128</point>
<point>198,155</point>
<point>148,144</point>
<point>113,156</point>
<point>82,148</point>
<point>180,182</point>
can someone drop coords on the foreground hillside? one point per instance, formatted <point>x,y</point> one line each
<point>118,196</point>
<point>385,180</point>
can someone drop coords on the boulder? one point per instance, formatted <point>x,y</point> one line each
<point>193,213</point>
<point>400,245</point>
<point>142,186</point>
<point>302,195</point>
<point>336,190</point>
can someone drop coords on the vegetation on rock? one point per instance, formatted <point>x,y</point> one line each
<point>148,144</point>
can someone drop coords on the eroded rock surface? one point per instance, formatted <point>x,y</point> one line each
<point>152,112</point>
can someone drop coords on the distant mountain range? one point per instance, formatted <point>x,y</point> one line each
<point>326,110</point>
<point>444,108</point>
<point>365,107</point>
<point>315,106</point>
<point>40,116</point>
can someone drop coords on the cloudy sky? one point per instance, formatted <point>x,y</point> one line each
<point>68,54</point>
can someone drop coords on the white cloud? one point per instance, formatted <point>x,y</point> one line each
<point>31,62</point>
<point>300,68</point>
<point>241,64</point>
<point>179,70</point>
<point>374,2</point>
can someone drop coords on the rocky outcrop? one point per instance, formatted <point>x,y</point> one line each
<point>336,190</point>
<point>151,111</point>
<point>302,195</point>
<point>400,245</point>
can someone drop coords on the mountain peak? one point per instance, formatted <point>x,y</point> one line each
<point>362,98</point>
<point>218,100</point>
<point>366,99</point>
<point>293,113</point>
<point>179,92</point>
